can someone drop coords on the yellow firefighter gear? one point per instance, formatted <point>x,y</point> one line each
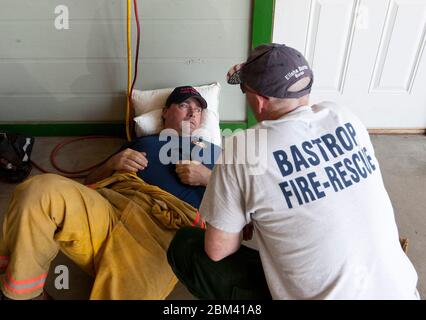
<point>118,231</point>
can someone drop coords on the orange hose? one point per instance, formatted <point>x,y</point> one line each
<point>71,174</point>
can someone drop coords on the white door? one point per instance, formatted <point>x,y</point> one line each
<point>366,54</point>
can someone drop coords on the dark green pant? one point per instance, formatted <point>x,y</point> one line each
<point>239,276</point>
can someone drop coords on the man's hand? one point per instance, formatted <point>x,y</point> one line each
<point>193,173</point>
<point>128,160</point>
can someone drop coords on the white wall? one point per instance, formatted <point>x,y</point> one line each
<point>80,74</point>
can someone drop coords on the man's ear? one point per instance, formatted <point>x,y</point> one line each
<point>262,103</point>
<point>165,110</point>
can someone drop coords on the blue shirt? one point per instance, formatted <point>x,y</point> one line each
<point>177,148</point>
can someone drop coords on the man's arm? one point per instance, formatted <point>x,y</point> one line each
<point>98,174</point>
<point>127,160</point>
<point>219,244</point>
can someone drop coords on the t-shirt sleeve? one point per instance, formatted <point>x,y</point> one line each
<point>223,204</point>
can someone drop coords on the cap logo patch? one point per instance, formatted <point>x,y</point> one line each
<point>188,90</point>
<point>296,72</point>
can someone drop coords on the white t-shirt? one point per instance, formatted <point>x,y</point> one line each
<point>323,220</point>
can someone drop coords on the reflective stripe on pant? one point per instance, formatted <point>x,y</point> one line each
<point>48,213</point>
<point>239,276</point>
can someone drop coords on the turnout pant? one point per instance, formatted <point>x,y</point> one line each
<point>239,276</point>
<point>48,213</point>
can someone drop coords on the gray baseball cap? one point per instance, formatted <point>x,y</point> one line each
<point>271,69</point>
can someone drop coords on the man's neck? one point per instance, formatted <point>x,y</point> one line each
<point>279,113</point>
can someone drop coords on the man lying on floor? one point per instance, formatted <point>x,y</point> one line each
<point>118,227</point>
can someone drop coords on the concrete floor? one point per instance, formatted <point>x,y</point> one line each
<point>402,160</point>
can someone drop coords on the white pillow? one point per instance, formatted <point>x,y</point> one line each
<point>149,106</point>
